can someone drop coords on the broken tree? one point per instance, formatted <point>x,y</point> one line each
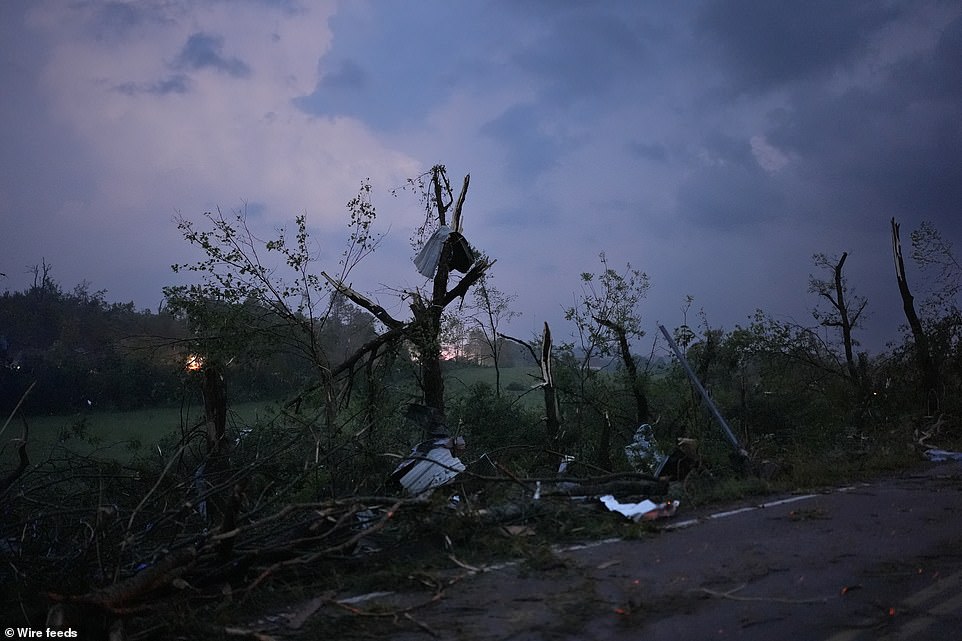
<point>923,354</point>
<point>552,413</point>
<point>445,250</point>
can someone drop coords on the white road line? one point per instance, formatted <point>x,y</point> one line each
<point>751,508</point>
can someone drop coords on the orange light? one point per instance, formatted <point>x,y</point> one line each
<point>194,362</point>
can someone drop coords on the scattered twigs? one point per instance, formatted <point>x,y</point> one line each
<point>143,501</point>
<point>439,588</point>
<point>314,556</point>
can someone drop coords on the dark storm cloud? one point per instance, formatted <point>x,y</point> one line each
<point>530,152</point>
<point>34,146</point>
<point>766,44</point>
<point>896,146</point>
<point>935,76</point>
<point>347,76</point>
<point>174,84</point>
<point>782,128</point>
<point>730,197</point>
<point>585,52</point>
<point>203,51</point>
<point>946,61</point>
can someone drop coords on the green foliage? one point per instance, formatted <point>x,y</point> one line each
<point>490,422</point>
<point>608,297</point>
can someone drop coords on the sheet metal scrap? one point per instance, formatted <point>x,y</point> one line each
<point>430,464</point>
<point>462,255</point>
<point>643,511</point>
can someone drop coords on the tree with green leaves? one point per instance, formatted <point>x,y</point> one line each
<point>255,298</point>
<point>606,319</point>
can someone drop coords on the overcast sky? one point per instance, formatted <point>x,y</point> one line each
<point>714,145</point>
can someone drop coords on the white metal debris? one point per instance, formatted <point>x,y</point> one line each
<point>644,511</point>
<point>429,465</point>
<point>427,259</point>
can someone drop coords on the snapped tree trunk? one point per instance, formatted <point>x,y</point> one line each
<point>215,409</point>
<point>927,367</point>
<point>429,319</point>
<point>552,420</point>
<point>552,414</point>
<point>424,330</point>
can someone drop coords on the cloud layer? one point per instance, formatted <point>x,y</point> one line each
<point>715,145</point>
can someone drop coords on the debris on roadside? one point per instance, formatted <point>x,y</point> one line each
<point>430,464</point>
<point>511,531</point>
<point>938,456</point>
<point>645,510</point>
<point>680,463</point>
<point>565,486</point>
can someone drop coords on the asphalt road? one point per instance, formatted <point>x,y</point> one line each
<point>875,561</point>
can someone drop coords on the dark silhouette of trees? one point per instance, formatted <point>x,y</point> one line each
<point>846,309</point>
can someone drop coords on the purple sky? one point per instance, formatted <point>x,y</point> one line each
<point>714,145</point>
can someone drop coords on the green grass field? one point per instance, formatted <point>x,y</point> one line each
<point>123,435</point>
<point>459,379</point>
<point>116,435</point>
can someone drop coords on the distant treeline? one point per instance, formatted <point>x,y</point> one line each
<point>83,353</point>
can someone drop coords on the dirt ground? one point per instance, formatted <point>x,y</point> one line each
<point>872,561</point>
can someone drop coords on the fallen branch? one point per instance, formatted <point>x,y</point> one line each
<point>379,312</point>
<point>114,598</point>
<point>310,558</point>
